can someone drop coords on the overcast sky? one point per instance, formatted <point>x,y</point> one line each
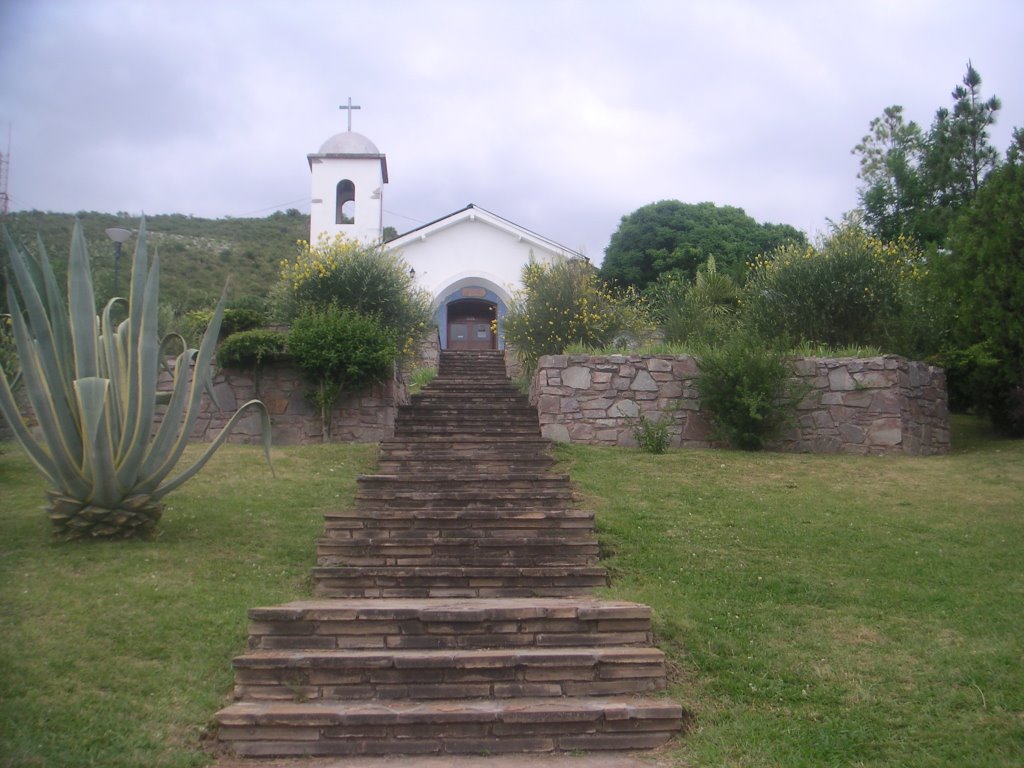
<point>561,116</point>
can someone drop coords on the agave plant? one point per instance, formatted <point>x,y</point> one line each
<point>92,384</point>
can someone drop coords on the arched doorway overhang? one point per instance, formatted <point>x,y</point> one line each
<point>464,311</point>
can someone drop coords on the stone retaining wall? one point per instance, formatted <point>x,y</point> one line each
<point>878,405</point>
<point>364,417</point>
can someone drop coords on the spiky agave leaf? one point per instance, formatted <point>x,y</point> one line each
<point>92,385</point>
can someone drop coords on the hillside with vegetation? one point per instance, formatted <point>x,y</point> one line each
<point>197,256</point>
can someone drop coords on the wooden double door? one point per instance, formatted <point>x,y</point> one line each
<point>470,325</point>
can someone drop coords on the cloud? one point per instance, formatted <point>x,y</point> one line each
<point>562,116</point>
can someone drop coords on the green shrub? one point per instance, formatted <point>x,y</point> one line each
<point>235,321</point>
<point>652,436</point>
<point>363,278</point>
<point>746,386</point>
<point>248,350</point>
<point>565,303</point>
<point>850,289</point>
<point>340,350</point>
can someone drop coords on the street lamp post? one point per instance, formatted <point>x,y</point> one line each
<point>118,235</point>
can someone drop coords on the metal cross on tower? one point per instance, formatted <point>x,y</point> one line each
<point>349,107</point>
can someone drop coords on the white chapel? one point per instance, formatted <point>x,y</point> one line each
<point>470,260</point>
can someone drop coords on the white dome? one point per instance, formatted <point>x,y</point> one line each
<point>348,143</point>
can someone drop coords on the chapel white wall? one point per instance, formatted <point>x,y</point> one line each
<point>369,200</point>
<point>470,249</point>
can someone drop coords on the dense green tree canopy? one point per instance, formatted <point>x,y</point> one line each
<point>987,268</point>
<point>670,236</point>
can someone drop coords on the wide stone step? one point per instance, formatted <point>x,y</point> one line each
<point>429,415</point>
<point>472,523</point>
<point>462,582</point>
<point>543,499</point>
<point>497,482</point>
<point>396,623</point>
<point>477,445</point>
<point>460,431</point>
<point>285,675</point>
<point>500,551</point>
<point>294,729</point>
<point>477,401</point>
<point>463,467</point>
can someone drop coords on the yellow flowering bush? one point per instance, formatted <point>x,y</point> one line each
<point>350,275</point>
<point>848,289</point>
<point>565,303</point>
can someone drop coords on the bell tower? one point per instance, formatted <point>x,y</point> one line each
<point>349,174</point>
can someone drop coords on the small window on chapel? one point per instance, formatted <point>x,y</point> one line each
<point>345,206</point>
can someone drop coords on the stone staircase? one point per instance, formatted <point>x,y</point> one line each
<point>452,612</point>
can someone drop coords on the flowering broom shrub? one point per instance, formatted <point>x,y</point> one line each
<point>348,274</point>
<point>849,289</point>
<point>565,303</point>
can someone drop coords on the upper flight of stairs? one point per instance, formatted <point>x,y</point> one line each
<point>452,611</point>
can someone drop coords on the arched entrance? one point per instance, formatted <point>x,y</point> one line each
<point>471,324</point>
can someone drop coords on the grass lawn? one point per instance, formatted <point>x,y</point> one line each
<point>817,610</point>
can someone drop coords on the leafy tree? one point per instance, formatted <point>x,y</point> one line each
<point>670,236</point>
<point>891,156</point>
<point>913,183</point>
<point>987,270</point>
<point>960,154</point>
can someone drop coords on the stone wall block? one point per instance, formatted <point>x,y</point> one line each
<point>872,380</point>
<point>805,367</point>
<point>643,382</point>
<point>576,377</point>
<point>225,395</point>
<point>624,409</point>
<point>685,367</point>
<point>858,398</point>
<point>671,390</point>
<point>886,401</point>
<point>276,406</point>
<point>840,380</point>
<point>851,433</point>
<point>885,432</point>
<point>551,403</point>
<point>581,432</point>
<point>569,405</point>
<point>552,361</point>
